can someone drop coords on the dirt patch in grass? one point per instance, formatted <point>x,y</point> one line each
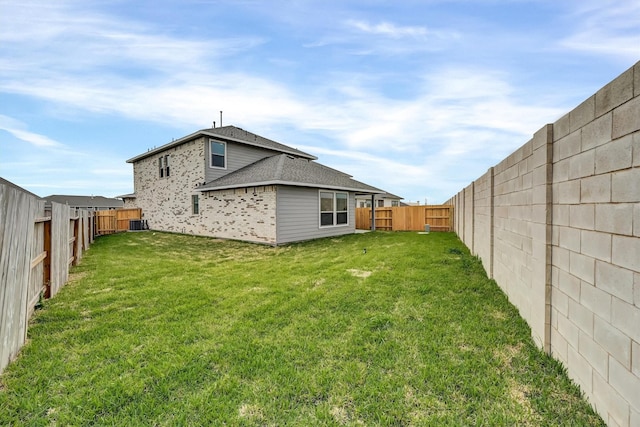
<point>253,412</point>
<point>76,276</point>
<point>343,415</point>
<point>519,393</point>
<point>319,282</point>
<point>507,353</point>
<point>359,273</point>
<point>498,315</point>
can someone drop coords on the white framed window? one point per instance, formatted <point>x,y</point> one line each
<point>195,204</point>
<point>334,208</point>
<point>218,154</point>
<point>163,166</point>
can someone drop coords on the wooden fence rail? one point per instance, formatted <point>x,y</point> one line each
<point>38,246</point>
<point>407,218</point>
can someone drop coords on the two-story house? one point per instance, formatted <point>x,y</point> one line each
<point>229,183</point>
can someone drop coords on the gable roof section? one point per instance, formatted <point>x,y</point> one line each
<point>230,134</point>
<point>288,170</point>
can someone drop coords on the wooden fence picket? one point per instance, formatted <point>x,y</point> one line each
<point>407,218</point>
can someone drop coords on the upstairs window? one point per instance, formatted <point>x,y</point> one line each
<point>163,166</point>
<point>334,208</point>
<point>218,154</point>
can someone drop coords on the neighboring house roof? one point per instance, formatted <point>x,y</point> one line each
<point>288,170</point>
<point>389,196</point>
<point>85,201</point>
<point>231,134</point>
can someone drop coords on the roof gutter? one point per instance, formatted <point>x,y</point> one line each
<point>290,183</point>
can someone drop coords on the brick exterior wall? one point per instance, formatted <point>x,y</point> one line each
<point>129,203</point>
<point>244,214</point>
<point>166,203</point>
<point>559,231</point>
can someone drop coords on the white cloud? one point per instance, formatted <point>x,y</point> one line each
<point>18,130</point>
<point>68,47</point>
<point>388,29</point>
<point>361,37</point>
<point>606,28</point>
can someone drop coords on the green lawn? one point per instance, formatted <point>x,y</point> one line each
<point>165,329</point>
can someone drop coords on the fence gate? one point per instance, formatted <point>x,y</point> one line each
<point>115,220</point>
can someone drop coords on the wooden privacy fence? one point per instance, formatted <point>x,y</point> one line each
<point>407,218</point>
<point>115,220</point>
<point>37,248</point>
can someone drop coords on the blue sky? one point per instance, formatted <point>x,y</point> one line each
<point>418,98</point>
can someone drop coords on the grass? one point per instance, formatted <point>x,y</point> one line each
<point>164,329</point>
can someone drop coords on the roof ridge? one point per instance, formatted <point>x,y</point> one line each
<point>280,165</point>
<point>229,133</point>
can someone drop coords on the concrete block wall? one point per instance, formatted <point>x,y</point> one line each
<point>468,216</point>
<point>521,253</point>
<point>565,242</point>
<point>596,247</point>
<point>483,220</point>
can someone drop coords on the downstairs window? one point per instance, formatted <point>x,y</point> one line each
<point>334,208</point>
<point>195,204</point>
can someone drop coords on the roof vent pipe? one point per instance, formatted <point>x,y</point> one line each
<point>214,124</point>
<point>220,118</point>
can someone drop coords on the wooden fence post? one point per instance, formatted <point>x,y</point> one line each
<point>46,271</point>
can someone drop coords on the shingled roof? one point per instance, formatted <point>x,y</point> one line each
<point>231,134</point>
<point>284,169</point>
<point>85,202</point>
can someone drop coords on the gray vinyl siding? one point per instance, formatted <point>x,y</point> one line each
<point>297,216</point>
<point>238,156</point>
